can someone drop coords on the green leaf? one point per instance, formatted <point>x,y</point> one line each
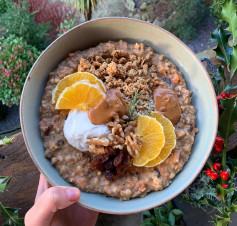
<point>147,213</point>
<point>157,215</point>
<point>228,118</point>
<point>172,219</point>
<point>177,212</point>
<point>223,50</point>
<point>232,163</point>
<point>147,220</point>
<point>169,204</point>
<point>233,207</point>
<point>228,14</point>
<point>221,72</point>
<point>216,81</point>
<point>223,220</point>
<point>234,197</point>
<point>148,224</point>
<point>233,60</point>
<point>229,87</point>
<point>4,185</point>
<point>185,198</point>
<point>10,216</point>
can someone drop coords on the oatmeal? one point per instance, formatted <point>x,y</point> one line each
<point>138,82</point>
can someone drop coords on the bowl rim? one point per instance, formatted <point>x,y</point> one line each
<point>205,73</point>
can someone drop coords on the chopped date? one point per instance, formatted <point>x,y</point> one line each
<point>118,159</point>
<point>109,165</point>
<point>109,175</point>
<point>110,150</point>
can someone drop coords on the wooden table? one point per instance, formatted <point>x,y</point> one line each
<point>21,190</point>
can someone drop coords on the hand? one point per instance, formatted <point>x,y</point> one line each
<point>56,206</point>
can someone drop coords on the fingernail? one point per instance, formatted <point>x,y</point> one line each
<point>72,194</point>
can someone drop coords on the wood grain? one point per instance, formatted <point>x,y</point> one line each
<point>21,190</point>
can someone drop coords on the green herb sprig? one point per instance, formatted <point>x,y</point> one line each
<point>132,105</point>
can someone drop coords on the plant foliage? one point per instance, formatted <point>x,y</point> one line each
<point>66,25</point>
<point>164,215</point>
<point>20,22</point>
<point>186,18</point>
<point>16,59</point>
<point>84,6</point>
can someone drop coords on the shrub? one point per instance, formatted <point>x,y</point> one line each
<point>16,59</point>
<point>20,22</point>
<point>189,13</point>
<point>66,26</point>
<point>3,6</point>
<point>216,8</point>
<point>53,12</point>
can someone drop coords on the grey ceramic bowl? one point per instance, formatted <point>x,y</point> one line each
<point>90,34</point>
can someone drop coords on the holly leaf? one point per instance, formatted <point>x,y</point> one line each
<point>222,221</point>
<point>4,181</point>
<point>233,166</point>
<point>216,81</point>
<point>223,50</point>
<point>234,197</point>
<point>10,216</point>
<point>228,117</point>
<point>221,72</point>
<point>228,10</point>
<point>233,207</point>
<point>228,14</point>
<point>233,61</point>
<point>229,87</point>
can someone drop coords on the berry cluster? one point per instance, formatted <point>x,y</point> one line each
<point>214,174</point>
<point>222,96</point>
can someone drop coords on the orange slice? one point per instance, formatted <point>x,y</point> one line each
<point>170,139</point>
<point>73,78</point>
<point>152,135</point>
<point>81,95</point>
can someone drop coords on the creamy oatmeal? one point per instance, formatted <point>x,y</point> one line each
<point>107,167</point>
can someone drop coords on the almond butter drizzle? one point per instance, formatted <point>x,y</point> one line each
<point>113,104</point>
<point>166,102</point>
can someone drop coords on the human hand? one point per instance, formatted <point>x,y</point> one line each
<point>56,206</point>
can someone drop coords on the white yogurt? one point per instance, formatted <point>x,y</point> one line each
<point>78,129</point>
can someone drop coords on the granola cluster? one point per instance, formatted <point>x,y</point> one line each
<point>128,72</point>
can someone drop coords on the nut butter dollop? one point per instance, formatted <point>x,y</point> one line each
<point>166,102</point>
<point>113,104</point>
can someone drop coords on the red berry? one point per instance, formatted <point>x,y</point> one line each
<point>218,196</point>
<point>225,185</point>
<point>217,166</point>
<point>213,175</point>
<point>218,99</point>
<point>224,95</point>
<point>219,143</point>
<point>208,172</point>
<point>225,175</point>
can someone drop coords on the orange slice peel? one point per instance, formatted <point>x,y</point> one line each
<point>170,139</point>
<point>152,135</point>
<point>69,80</point>
<point>82,95</point>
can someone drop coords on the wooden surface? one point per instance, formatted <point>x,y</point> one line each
<point>21,190</point>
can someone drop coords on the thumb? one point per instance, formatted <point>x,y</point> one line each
<point>53,199</point>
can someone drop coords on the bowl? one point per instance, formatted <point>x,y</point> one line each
<point>90,34</point>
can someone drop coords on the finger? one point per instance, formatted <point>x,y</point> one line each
<point>53,199</point>
<point>43,186</point>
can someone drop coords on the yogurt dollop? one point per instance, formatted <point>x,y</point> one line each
<point>78,129</point>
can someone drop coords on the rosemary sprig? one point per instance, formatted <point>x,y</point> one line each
<point>132,105</point>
